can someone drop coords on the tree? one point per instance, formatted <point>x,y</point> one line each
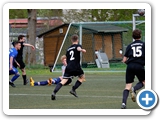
<point>91,15</point>
<point>100,14</point>
<point>76,15</point>
<point>122,14</point>
<point>31,35</point>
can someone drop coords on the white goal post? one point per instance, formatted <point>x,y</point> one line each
<point>61,48</point>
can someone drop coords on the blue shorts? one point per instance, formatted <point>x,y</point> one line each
<point>13,71</point>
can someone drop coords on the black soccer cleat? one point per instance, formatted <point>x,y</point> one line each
<point>73,92</point>
<point>123,106</point>
<point>53,97</point>
<point>12,84</point>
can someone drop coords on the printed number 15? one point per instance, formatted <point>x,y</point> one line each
<point>137,52</point>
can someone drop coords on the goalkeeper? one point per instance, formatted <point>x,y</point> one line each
<point>51,81</point>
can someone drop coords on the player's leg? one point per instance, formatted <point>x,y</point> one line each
<point>54,80</point>
<point>16,75</point>
<point>81,78</point>
<point>125,95</point>
<point>45,82</point>
<point>58,87</point>
<point>68,82</point>
<point>129,80</point>
<point>138,86</point>
<point>41,83</point>
<point>140,73</point>
<point>24,76</point>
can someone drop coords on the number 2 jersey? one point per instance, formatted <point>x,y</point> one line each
<point>73,57</point>
<point>135,52</point>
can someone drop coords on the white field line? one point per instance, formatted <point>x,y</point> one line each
<point>65,95</point>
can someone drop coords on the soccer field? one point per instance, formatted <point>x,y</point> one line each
<point>102,90</point>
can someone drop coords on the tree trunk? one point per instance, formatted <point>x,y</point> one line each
<point>31,36</point>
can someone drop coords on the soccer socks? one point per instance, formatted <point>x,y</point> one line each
<point>58,86</point>
<point>14,78</point>
<point>138,86</point>
<point>77,84</point>
<point>24,79</point>
<point>41,83</point>
<point>125,96</point>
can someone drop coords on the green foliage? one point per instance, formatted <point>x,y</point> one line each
<point>49,12</point>
<point>17,13</point>
<point>122,14</point>
<point>22,13</point>
<point>80,14</point>
<point>100,14</point>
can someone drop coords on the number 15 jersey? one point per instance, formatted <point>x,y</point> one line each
<point>135,52</point>
<point>73,57</point>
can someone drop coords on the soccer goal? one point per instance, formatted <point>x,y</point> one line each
<point>106,38</point>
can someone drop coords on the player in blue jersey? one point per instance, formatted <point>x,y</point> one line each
<point>73,67</point>
<point>52,80</point>
<point>135,59</point>
<point>12,58</point>
<point>19,59</point>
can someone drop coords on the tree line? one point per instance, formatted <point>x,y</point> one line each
<point>78,15</point>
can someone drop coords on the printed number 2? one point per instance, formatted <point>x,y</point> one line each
<point>137,52</point>
<point>72,54</point>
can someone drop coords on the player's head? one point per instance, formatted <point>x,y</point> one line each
<point>21,38</point>
<point>136,34</point>
<point>17,45</point>
<point>63,59</point>
<point>74,38</point>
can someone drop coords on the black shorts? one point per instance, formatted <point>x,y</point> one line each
<point>134,69</point>
<point>69,73</point>
<point>21,63</point>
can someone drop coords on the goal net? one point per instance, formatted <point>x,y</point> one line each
<point>103,37</point>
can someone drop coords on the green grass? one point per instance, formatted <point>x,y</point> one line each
<point>102,90</point>
<point>40,69</point>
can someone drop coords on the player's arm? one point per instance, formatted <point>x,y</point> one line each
<point>29,45</point>
<point>125,59</point>
<point>81,50</point>
<point>10,61</point>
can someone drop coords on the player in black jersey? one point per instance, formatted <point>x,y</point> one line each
<point>73,67</point>
<point>135,59</point>
<point>19,59</point>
